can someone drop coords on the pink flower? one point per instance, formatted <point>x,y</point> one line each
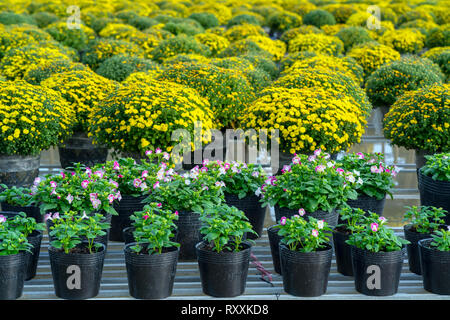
<point>99,174</point>
<point>48,216</point>
<point>255,174</point>
<point>146,217</point>
<point>360,155</point>
<point>301,212</point>
<point>176,213</point>
<point>374,226</point>
<point>296,160</point>
<point>159,205</point>
<point>315,233</point>
<point>205,162</point>
<point>382,219</point>
<point>320,168</point>
<point>317,152</point>
<point>96,203</point>
<point>53,184</point>
<point>116,166</point>
<point>84,184</point>
<point>156,185</point>
<point>283,221</point>
<point>137,182</point>
<point>2,218</point>
<point>63,175</point>
<point>89,171</point>
<point>158,150</point>
<point>311,158</point>
<point>148,152</point>
<point>320,224</point>
<point>166,156</point>
<point>340,171</point>
<point>56,216</point>
<point>37,180</point>
<point>144,173</point>
<point>111,198</point>
<point>286,168</point>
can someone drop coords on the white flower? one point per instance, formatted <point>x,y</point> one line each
<point>351,178</point>
<point>187,182</point>
<point>320,224</point>
<point>360,181</point>
<point>258,192</point>
<point>69,198</point>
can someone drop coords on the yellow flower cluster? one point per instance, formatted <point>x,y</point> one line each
<point>371,56</point>
<point>84,90</point>
<point>214,42</point>
<point>420,119</point>
<point>141,117</point>
<point>406,40</point>
<point>242,31</point>
<point>307,119</point>
<point>32,118</point>
<point>318,43</point>
<point>276,48</point>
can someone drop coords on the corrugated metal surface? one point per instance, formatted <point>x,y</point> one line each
<point>187,285</point>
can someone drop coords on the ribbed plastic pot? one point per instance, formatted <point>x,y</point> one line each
<point>68,268</point>
<point>151,276</point>
<point>101,239</point>
<point>435,268</point>
<point>367,203</point>
<point>35,238</point>
<point>223,274</point>
<point>125,208</point>
<point>434,193</point>
<point>19,171</point>
<point>80,149</point>
<point>305,274</point>
<point>366,264</point>
<point>251,206</point>
<point>420,157</point>
<point>274,240</point>
<point>31,211</point>
<point>129,238</point>
<point>343,253</point>
<point>413,248</point>
<point>12,276</point>
<point>189,235</point>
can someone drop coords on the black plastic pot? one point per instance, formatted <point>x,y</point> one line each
<point>31,211</point>
<point>305,274</point>
<point>367,203</point>
<point>366,264</point>
<point>189,235</point>
<point>420,157</point>
<point>125,208</point>
<point>343,253</point>
<point>151,276</point>
<point>12,276</point>
<point>413,248</point>
<point>223,274</point>
<point>35,238</point>
<point>434,193</point>
<point>274,240</point>
<point>80,149</point>
<point>65,268</point>
<point>435,268</point>
<point>18,170</point>
<point>251,206</point>
<point>129,238</point>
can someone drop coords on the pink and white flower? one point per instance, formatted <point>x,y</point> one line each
<point>116,165</point>
<point>2,218</point>
<point>360,155</point>
<point>156,185</point>
<point>69,198</point>
<point>53,184</point>
<point>320,224</point>
<point>374,226</point>
<point>158,151</point>
<point>317,152</point>
<point>315,233</point>
<point>283,221</point>
<point>205,162</point>
<point>96,203</point>
<point>48,216</point>
<point>137,182</point>
<point>37,180</point>
<point>111,198</point>
<point>159,205</point>
<point>148,152</point>
<point>320,168</point>
<point>301,212</point>
<point>382,219</point>
<point>84,184</point>
<point>255,174</point>
<point>166,156</point>
<point>56,216</point>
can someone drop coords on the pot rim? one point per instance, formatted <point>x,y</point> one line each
<point>281,245</point>
<point>127,248</point>
<point>103,247</point>
<point>200,246</point>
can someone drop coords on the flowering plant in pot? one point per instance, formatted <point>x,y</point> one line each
<point>33,232</point>
<point>312,185</point>
<point>242,188</point>
<point>351,221</point>
<point>305,255</point>
<point>151,260</point>
<point>435,262</point>
<point>224,254</point>
<point>377,247</point>
<point>32,119</point>
<point>376,176</point>
<point>19,199</point>
<point>434,182</point>
<point>13,260</point>
<point>133,180</point>
<point>188,194</point>
<point>74,242</point>
<point>423,222</point>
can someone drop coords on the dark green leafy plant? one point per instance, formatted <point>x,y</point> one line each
<point>224,227</point>
<point>119,67</point>
<point>16,196</point>
<point>441,240</point>
<point>352,218</point>
<point>206,19</point>
<point>24,224</point>
<point>319,18</point>
<point>154,229</point>
<point>425,219</point>
<point>351,36</point>
<point>437,166</point>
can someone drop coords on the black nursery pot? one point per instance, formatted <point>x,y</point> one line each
<point>305,274</point>
<point>274,240</point>
<point>435,268</point>
<point>343,252</point>
<point>434,193</point>
<point>19,171</point>
<point>189,235</point>
<point>223,274</point>
<point>125,208</point>
<point>366,264</point>
<point>80,149</point>
<point>35,238</point>
<point>251,206</point>
<point>151,276</point>
<point>129,238</point>
<point>367,203</point>
<point>12,275</point>
<point>31,211</point>
<point>413,248</point>
<point>66,267</point>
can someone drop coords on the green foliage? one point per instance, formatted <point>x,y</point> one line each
<point>437,166</point>
<point>352,219</point>
<point>351,36</point>
<point>184,26</point>
<point>12,241</point>
<point>43,19</point>
<point>438,37</point>
<point>40,72</point>
<point>119,67</point>
<point>319,18</point>
<point>280,21</point>
<point>243,19</point>
<point>25,225</point>
<point>16,196</point>
<point>206,19</point>
<point>425,219</point>
<point>8,17</point>
<point>142,23</point>
<point>441,240</point>
<point>176,45</point>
